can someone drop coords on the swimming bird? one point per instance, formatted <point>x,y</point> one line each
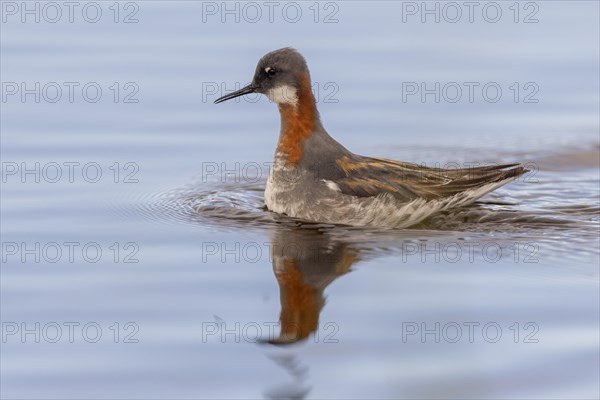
<point>315,178</point>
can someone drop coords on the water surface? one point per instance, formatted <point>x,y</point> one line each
<point>197,251</point>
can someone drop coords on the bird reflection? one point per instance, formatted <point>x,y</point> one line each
<point>305,262</point>
<point>295,389</point>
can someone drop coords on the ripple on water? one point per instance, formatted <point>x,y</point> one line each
<point>534,210</point>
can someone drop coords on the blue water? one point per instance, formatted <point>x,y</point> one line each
<point>186,247</point>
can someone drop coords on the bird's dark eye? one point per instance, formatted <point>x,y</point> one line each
<point>271,71</point>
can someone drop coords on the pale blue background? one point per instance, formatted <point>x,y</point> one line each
<point>170,53</point>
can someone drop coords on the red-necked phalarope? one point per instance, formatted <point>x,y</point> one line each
<point>315,178</point>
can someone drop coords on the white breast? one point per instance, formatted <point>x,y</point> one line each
<point>270,192</point>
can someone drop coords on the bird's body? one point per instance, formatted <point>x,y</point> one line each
<point>339,187</point>
<point>315,178</point>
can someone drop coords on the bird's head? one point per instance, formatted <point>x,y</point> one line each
<point>281,75</point>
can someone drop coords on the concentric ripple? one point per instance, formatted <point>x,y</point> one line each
<point>520,211</point>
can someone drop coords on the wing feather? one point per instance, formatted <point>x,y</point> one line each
<point>369,176</point>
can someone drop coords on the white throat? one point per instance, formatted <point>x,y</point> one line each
<point>283,94</point>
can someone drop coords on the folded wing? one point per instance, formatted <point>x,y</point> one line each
<point>369,176</point>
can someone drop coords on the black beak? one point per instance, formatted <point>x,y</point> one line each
<point>245,90</point>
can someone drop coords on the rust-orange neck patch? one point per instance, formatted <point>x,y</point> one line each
<point>297,123</point>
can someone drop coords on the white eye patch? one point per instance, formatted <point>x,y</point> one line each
<point>267,69</point>
<point>283,94</point>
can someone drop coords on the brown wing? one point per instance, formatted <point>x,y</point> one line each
<point>368,176</point>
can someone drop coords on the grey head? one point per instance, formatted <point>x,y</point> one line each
<point>281,75</point>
